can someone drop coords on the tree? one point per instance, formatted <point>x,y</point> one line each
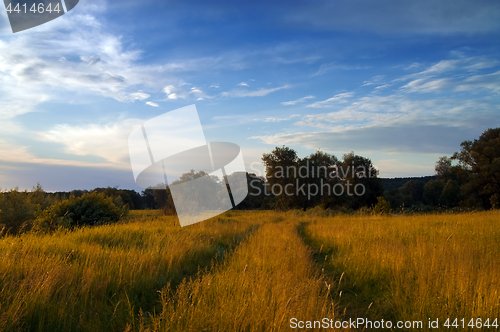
<point>256,197</point>
<point>148,199</point>
<point>314,173</point>
<point>443,168</point>
<point>479,160</point>
<point>360,179</point>
<point>451,194</point>
<point>414,190</point>
<point>432,192</point>
<point>196,192</point>
<point>281,171</point>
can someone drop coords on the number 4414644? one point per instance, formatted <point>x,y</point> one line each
<point>40,8</point>
<point>473,323</point>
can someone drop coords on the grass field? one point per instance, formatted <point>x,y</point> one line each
<point>252,271</point>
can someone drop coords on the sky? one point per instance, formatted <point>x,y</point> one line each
<point>399,82</point>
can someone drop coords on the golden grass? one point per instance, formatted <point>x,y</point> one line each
<point>96,279</point>
<point>414,267</point>
<point>250,271</point>
<point>269,279</point>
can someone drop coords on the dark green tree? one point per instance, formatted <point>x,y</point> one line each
<point>479,161</point>
<point>360,178</point>
<point>432,192</point>
<point>451,194</point>
<point>413,191</point>
<point>281,173</point>
<point>314,175</point>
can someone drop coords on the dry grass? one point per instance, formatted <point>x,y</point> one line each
<point>414,267</point>
<point>250,271</point>
<point>269,279</point>
<point>97,279</point>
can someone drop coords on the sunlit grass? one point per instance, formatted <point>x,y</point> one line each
<point>414,267</point>
<point>96,279</point>
<point>269,279</point>
<point>251,271</point>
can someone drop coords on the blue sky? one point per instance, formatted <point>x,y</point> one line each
<point>400,82</point>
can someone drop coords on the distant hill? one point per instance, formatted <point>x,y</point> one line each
<point>396,183</point>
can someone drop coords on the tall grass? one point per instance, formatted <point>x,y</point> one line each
<point>251,271</point>
<point>413,267</point>
<point>97,279</point>
<point>269,279</point>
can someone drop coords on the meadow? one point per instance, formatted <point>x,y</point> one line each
<point>252,271</point>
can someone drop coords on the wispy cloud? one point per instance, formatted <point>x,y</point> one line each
<point>393,123</point>
<point>279,119</point>
<point>150,103</point>
<point>374,81</point>
<point>330,102</point>
<point>472,83</point>
<point>324,68</point>
<point>413,66</point>
<point>399,123</point>
<point>257,93</point>
<point>242,84</point>
<point>297,101</point>
<point>470,65</point>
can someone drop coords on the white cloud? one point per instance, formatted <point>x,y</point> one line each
<point>324,68</point>
<point>108,141</point>
<point>394,123</point>
<point>375,80</point>
<point>139,96</point>
<point>169,89</point>
<point>14,153</point>
<point>477,82</point>
<point>181,92</point>
<point>242,84</point>
<point>398,123</point>
<point>278,119</point>
<point>383,86</point>
<point>424,85</point>
<point>337,99</point>
<point>487,82</point>
<point>300,100</point>
<point>150,103</point>
<point>470,64</point>
<point>39,64</point>
<point>258,93</point>
<point>413,66</point>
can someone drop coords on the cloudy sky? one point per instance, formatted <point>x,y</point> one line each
<point>400,82</point>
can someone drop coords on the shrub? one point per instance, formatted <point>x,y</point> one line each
<point>382,207</point>
<point>18,209</point>
<point>89,209</point>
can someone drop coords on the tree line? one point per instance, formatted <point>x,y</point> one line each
<point>470,179</point>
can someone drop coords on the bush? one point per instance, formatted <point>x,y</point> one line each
<point>89,209</point>
<point>18,209</point>
<point>382,207</point>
